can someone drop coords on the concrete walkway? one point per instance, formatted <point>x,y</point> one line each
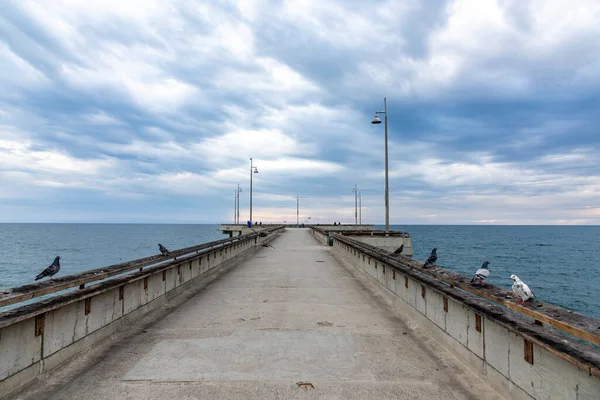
<point>287,315</point>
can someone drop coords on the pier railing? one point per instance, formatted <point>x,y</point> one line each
<point>37,289</point>
<point>536,350</point>
<point>566,321</point>
<point>39,336</point>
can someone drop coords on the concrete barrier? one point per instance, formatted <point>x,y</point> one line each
<point>510,353</point>
<point>388,241</point>
<point>37,338</point>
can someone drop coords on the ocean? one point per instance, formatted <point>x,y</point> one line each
<point>561,264</point>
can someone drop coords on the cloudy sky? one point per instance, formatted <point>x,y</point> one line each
<point>149,110</point>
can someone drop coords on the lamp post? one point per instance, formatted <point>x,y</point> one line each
<point>376,121</point>
<point>235,207</point>
<point>355,190</point>
<point>239,189</point>
<point>359,209</point>
<point>252,170</point>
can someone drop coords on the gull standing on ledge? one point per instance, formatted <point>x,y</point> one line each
<point>521,290</point>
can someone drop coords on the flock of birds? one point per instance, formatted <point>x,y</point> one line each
<point>520,289</point>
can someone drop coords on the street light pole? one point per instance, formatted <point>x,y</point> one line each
<point>252,170</point>
<point>376,120</point>
<point>234,206</point>
<point>359,208</point>
<point>238,203</point>
<point>355,205</point>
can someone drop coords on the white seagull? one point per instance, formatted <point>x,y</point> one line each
<point>521,290</point>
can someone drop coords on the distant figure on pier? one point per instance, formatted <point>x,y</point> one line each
<point>260,223</point>
<point>481,275</point>
<point>163,250</point>
<point>249,224</point>
<point>521,290</point>
<point>334,224</point>
<point>51,270</point>
<point>432,259</point>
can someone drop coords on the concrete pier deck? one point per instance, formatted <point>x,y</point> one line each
<point>289,314</point>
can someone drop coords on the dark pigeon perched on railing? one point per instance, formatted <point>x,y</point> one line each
<point>398,251</point>
<point>163,250</point>
<point>432,259</point>
<point>51,270</point>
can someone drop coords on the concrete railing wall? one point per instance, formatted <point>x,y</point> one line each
<point>33,346</point>
<point>517,367</point>
<point>340,228</point>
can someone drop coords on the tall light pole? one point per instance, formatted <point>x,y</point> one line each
<point>359,208</point>
<point>239,189</point>
<point>235,206</point>
<point>376,120</point>
<point>355,190</point>
<point>252,170</point>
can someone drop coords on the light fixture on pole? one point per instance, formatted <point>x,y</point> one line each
<point>239,189</point>
<point>376,121</point>
<point>355,190</point>
<point>252,170</point>
<point>359,209</point>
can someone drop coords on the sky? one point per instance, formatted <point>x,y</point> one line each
<point>148,111</point>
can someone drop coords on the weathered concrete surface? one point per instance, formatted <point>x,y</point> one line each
<point>287,315</point>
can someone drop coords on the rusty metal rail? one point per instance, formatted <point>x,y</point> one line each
<point>456,286</point>
<point>33,290</point>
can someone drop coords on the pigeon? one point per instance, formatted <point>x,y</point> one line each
<point>481,275</point>
<point>398,251</point>
<point>163,250</point>
<point>51,270</point>
<point>521,290</point>
<point>266,245</point>
<point>432,259</point>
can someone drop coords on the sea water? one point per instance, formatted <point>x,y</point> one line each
<point>561,264</point>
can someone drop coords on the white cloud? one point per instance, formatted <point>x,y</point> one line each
<point>102,118</point>
<point>143,98</point>
<point>20,155</point>
<point>16,71</point>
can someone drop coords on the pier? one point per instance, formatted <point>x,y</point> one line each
<point>312,312</point>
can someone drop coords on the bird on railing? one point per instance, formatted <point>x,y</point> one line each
<point>481,275</point>
<point>521,290</point>
<point>163,250</point>
<point>398,251</point>
<point>51,270</point>
<point>432,259</point>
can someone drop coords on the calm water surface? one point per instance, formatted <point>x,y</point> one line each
<point>561,264</point>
